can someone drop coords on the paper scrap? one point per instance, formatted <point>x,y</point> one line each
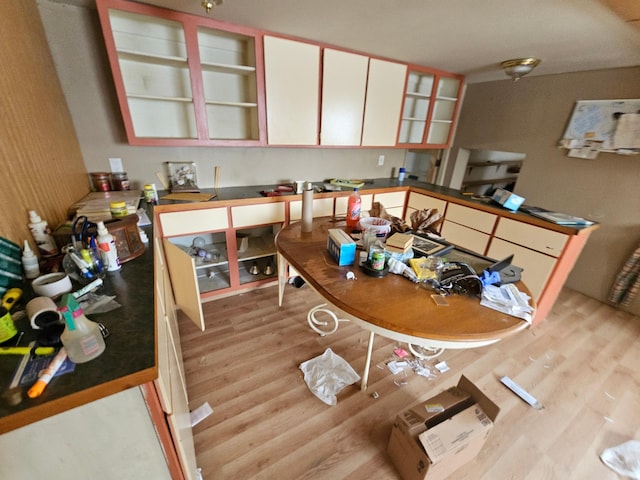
<point>200,413</point>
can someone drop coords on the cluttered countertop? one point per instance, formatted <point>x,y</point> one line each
<point>128,360</point>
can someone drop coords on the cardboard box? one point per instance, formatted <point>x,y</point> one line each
<point>456,435</point>
<point>341,247</point>
<point>507,199</point>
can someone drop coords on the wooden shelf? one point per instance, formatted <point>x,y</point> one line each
<point>152,58</point>
<point>220,67</point>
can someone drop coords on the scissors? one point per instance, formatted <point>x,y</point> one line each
<point>80,231</point>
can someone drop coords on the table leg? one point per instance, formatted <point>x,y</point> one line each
<point>282,278</point>
<point>367,364</point>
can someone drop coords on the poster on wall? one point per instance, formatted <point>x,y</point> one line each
<point>603,125</point>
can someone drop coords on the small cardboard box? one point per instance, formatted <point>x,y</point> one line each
<point>454,441</point>
<point>341,247</point>
<point>507,199</point>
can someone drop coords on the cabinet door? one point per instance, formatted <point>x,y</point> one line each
<point>366,202</point>
<point>322,207</point>
<point>418,201</point>
<point>383,104</point>
<point>464,237</point>
<point>193,221</point>
<point>393,202</point>
<point>292,89</point>
<point>184,280</point>
<point>537,266</point>
<point>344,82</point>
<point>444,113</point>
<point>262,214</point>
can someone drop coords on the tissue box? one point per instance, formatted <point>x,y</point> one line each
<point>507,199</point>
<point>341,247</point>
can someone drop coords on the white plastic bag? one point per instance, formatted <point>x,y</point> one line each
<point>624,459</point>
<point>327,375</point>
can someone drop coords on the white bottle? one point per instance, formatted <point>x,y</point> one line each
<point>30,262</point>
<point>42,235</point>
<point>107,248</point>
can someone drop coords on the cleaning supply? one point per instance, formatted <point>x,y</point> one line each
<point>81,338</point>
<point>353,209</point>
<point>107,249</point>
<point>401,174</point>
<point>30,262</point>
<point>42,235</point>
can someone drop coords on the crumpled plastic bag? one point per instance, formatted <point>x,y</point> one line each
<point>327,374</point>
<point>624,459</point>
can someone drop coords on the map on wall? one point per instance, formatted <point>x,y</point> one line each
<point>603,125</point>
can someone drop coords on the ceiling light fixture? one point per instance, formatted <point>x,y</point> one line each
<point>209,4</point>
<point>519,67</point>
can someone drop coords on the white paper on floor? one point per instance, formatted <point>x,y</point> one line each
<point>200,413</point>
<point>624,459</point>
<point>327,374</point>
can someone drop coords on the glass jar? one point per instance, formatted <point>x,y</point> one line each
<point>118,209</point>
<point>100,181</point>
<point>120,181</point>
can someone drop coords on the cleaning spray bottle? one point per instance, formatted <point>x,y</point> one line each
<point>81,338</point>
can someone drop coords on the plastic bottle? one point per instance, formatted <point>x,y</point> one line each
<point>30,262</point>
<point>82,338</point>
<point>42,235</point>
<point>401,174</point>
<point>353,209</point>
<point>107,248</point>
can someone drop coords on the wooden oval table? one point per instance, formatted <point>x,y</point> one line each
<point>391,306</point>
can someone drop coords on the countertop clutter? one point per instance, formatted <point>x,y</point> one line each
<point>128,360</point>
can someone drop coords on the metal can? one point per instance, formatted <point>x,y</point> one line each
<point>377,258</point>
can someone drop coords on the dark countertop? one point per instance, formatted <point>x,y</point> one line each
<point>253,192</point>
<point>128,360</point>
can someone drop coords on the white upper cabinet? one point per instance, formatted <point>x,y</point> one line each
<point>384,102</point>
<point>344,85</point>
<point>292,90</point>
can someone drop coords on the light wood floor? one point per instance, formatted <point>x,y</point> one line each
<point>582,363</point>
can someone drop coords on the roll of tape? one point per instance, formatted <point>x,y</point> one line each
<point>52,285</point>
<point>42,312</point>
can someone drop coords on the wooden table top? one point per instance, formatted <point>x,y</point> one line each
<point>392,302</point>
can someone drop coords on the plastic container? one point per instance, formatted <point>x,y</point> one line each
<point>118,209</point>
<point>353,209</point>
<point>120,181</point>
<point>107,249</point>
<point>81,338</point>
<point>151,194</point>
<point>30,262</point>
<point>100,181</point>
<point>401,174</point>
<point>42,235</point>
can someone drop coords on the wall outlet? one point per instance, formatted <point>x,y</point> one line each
<point>381,160</point>
<point>115,164</point>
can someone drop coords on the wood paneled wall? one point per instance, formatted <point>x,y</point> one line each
<point>40,157</point>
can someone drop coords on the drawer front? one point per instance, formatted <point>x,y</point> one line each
<point>470,217</point>
<point>537,267</point>
<point>418,201</point>
<point>193,221</point>
<point>465,237</point>
<point>322,207</point>
<point>262,214</point>
<point>391,199</point>
<point>531,236</point>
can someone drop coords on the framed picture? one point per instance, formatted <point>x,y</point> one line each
<point>428,246</point>
<point>183,176</point>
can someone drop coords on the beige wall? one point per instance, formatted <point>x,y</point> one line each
<point>530,116</point>
<point>39,155</point>
<point>76,42</point>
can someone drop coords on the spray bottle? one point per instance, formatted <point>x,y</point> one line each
<point>42,235</point>
<point>81,338</point>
